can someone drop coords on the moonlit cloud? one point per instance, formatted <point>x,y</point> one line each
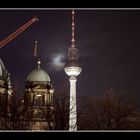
<point>57,61</point>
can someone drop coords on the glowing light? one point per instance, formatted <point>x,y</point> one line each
<point>38,95</point>
<point>51,91</point>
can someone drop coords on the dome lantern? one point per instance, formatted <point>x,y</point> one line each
<point>38,63</point>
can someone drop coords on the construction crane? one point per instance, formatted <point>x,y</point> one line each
<point>17,32</point>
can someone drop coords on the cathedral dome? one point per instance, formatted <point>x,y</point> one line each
<point>38,75</point>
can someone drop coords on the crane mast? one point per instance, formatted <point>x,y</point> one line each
<point>17,32</point>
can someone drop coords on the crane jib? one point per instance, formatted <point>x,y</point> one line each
<point>17,32</point>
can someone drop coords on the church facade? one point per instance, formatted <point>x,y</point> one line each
<point>36,111</point>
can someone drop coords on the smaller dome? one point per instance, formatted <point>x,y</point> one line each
<point>38,75</point>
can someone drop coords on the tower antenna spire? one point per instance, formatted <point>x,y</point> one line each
<point>73,29</point>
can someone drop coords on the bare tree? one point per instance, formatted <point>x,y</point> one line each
<point>62,110</point>
<point>112,111</point>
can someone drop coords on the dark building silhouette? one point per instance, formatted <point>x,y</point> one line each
<point>5,97</point>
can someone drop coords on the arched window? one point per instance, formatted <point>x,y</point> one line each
<point>38,99</point>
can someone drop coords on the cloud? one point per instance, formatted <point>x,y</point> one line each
<point>57,61</point>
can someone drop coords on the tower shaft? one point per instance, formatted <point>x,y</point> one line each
<point>73,106</point>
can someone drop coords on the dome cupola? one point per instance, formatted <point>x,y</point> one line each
<point>38,75</point>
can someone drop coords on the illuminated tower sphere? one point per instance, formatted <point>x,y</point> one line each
<point>38,100</point>
<point>73,69</point>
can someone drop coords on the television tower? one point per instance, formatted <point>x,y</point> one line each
<point>73,69</point>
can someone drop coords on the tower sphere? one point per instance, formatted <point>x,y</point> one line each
<point>73,68</point>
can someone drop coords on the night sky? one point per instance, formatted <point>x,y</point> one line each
<point>108,43</point>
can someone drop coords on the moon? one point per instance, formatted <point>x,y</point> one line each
<point>57,61</point>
